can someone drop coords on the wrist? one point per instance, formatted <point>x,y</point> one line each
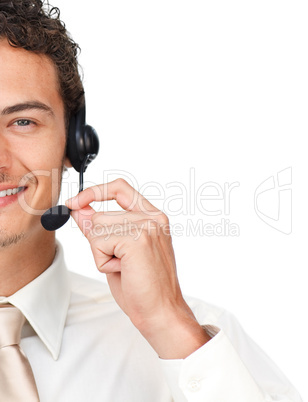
<point>174,335</point>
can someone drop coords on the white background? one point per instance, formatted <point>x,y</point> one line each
<point>218,89</point>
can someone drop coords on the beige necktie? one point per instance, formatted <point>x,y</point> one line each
<point>17,383</point>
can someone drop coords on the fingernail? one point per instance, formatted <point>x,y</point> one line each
<point>70,200</point>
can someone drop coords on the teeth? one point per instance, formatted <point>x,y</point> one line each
<point>10,191</point>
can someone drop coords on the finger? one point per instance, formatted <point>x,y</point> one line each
<point>115,241</point>
<point>108,249</point>
<point>83,218</point>
<point>123,217</point>
<point>120,190</point>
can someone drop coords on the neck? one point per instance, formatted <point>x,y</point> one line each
<point>22,262</point>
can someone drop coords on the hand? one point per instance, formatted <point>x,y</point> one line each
<point>134,249</point>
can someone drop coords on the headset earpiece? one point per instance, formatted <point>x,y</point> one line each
<point>82,140</point>
<point>82,147</point>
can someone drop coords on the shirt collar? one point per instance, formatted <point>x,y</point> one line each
<point>44,302</point>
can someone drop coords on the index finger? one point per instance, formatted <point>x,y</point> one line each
<point>83,218</point>
<point>120,190</point>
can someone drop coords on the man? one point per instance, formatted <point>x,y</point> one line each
<point>141,342</point>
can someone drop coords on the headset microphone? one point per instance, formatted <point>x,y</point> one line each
<point>82,148</point>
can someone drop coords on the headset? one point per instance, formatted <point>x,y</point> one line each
<point>81,148</point>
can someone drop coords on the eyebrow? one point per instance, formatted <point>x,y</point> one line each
<point>20,107</point>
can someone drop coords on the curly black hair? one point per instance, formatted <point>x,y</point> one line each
<point>35,25</point>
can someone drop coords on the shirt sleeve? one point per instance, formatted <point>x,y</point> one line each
<point>230,367</point>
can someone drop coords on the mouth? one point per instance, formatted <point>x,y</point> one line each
<point>9,196</point>
<point>11,191</point>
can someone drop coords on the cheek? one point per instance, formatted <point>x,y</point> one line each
<point>36,154</point>
<point>50,173</point>
<point>43,164</point>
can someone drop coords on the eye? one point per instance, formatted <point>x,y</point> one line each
<point>23,122</point>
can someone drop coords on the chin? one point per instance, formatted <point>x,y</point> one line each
<point>10,239</point>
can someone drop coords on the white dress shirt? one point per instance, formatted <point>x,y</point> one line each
<point>83,348</point>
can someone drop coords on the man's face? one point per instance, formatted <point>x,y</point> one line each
<point>32,141</point>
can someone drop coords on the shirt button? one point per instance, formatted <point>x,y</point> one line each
<point>194,385</point>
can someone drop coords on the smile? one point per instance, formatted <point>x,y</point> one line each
<point>11,191</point>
